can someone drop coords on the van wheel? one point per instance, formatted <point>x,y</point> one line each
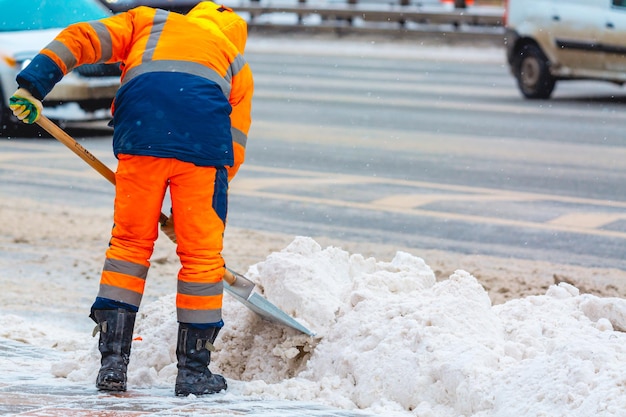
<point>7,127</point>
<point>532,71</point>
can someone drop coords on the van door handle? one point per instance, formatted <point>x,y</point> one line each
<point>610,25</point>
<point>556,18</point>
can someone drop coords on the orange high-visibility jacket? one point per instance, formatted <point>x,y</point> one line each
<point>186,88</point>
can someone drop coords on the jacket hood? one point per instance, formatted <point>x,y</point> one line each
<point>229,22</point>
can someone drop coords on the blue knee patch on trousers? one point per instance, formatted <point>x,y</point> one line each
<point>220,193</point>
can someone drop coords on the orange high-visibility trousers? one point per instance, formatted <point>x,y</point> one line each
<point>199,206</point>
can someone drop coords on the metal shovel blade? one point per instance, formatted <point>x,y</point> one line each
<point>260,305</point>
<point>238,285</point>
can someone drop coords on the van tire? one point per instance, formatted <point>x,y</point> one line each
<point>532,71</point>
<point>7,125</point>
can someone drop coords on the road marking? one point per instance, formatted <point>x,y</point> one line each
<point>294,175</point>
<point>431,143</point>
<point>49,172</point>
<point>409,204</point>
<point>18,156</point>
<point>417,200</point>
<point>446,216</point>
<point>588,220</point>
<point>426,103</point>
<point>256,185</point>
<point>409,83</point>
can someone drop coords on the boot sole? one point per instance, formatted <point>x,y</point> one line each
<point>112,386</point>
<point>183,391</point>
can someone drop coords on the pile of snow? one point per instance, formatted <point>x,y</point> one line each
<point>391,340</point>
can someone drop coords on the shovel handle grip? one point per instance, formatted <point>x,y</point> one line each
<point>229,277</point>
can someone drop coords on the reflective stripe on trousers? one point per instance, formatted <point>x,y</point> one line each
<point>199,205</point>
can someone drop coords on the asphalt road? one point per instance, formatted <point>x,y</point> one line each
<point>427,148</point>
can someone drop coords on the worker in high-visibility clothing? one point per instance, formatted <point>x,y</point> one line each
<point>181,119</point>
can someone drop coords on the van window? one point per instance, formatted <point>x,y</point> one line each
<point>619,3</point>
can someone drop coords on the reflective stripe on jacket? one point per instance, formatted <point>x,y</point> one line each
<point>181,81</point>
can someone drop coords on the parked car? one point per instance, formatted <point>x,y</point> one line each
<point>26,26</point>
<point>554,40</point>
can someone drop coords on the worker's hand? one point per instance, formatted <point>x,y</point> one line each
<point>25,107</point>
<point>168,228</point>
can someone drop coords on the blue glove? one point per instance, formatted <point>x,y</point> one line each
<point>25,107</point>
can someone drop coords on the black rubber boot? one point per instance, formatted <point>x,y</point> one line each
<point>116,334</point>
<point>193,351</point>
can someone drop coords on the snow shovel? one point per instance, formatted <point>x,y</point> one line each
<point>259,304</point>
<point>236,284</point>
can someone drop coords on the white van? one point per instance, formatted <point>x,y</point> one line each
<point>553,40</point>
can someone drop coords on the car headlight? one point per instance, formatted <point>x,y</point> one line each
<point>24,63</point>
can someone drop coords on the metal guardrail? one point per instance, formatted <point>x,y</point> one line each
<point>397,18</point>
<point>399,14</point>
<point>474,23</point>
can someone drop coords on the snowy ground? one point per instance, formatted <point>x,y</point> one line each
<point>400,332</point>
<point>393,336</point>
